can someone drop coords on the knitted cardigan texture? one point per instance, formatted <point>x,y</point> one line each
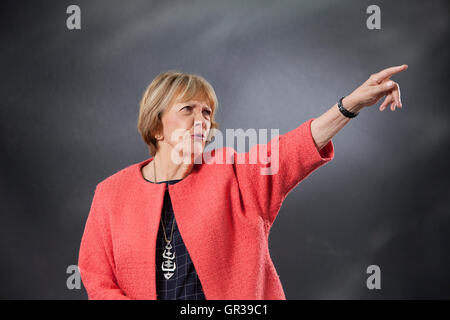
<point>224,212</point>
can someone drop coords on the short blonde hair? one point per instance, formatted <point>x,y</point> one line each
<point>167,88</point>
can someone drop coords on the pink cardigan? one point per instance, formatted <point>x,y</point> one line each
<point>224,213</point>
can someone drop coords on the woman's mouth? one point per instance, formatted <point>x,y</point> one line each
<point>198,136</point>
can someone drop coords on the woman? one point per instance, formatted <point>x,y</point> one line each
<point>174,227</point>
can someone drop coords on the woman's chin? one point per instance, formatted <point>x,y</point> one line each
<point>195,150</point>
<point>197,147</point>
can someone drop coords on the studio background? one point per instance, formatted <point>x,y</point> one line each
<point>69,108</point>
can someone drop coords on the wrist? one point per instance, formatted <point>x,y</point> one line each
<point>351,105</point>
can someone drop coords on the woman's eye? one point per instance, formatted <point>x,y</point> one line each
<point>187,107</point>
<point>208,112</point>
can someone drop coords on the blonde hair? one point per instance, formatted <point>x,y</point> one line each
<point>165,89</point>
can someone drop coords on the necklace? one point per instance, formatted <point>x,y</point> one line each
<point>168,265</point>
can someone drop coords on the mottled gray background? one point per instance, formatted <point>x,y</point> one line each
<point>69,108</point>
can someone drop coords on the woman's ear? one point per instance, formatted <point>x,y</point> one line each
<point>159,136</point>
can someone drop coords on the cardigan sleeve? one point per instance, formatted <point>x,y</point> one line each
<point>283,162</point>
<point>95,259</point>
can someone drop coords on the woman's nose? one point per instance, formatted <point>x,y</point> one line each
<point>200,121</point>
<point>199,125</point>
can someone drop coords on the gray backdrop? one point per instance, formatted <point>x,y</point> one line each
<point>69,108</point>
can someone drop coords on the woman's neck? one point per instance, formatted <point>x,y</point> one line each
<point>165,168</point>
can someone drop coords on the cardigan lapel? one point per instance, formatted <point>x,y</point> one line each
<point>139,227</point>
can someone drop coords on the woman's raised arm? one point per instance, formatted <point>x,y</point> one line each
<point>294,155</point>
<point>370,92</point>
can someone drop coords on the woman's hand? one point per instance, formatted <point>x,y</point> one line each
<point>377,86</point>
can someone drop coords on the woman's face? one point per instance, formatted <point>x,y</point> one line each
<point>186,126</point>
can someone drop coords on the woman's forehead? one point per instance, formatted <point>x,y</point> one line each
<point>198,101</point>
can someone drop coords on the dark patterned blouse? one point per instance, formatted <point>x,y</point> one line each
<point>184,284</point>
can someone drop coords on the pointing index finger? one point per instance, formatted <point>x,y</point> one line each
<point>387,73</point>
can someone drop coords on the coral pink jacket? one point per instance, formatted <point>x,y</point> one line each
<point>224,213</point>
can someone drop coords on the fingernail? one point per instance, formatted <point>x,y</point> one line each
<point>389,84</point>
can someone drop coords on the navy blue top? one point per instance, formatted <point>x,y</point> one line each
<point>184,283</point>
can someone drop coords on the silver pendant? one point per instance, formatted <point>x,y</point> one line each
<point>168,266</point>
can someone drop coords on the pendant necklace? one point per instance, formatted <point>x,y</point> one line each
<point>168,266</point>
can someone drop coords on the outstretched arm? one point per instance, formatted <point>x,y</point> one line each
<point>370,92</point>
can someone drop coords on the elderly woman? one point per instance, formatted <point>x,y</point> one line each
<point>177,227</point>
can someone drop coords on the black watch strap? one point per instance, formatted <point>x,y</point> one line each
<point>344,111</point>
